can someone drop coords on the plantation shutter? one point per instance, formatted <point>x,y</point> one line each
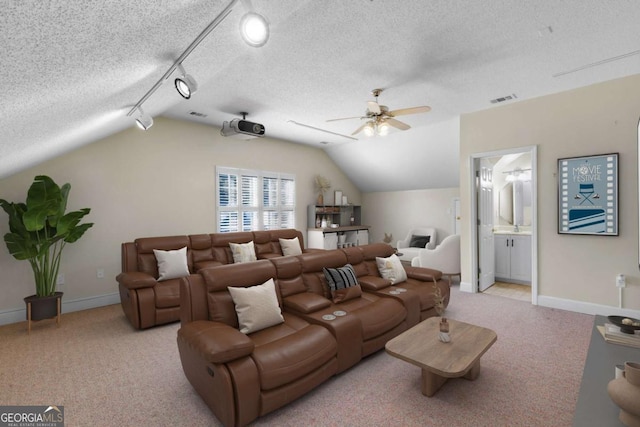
<point>253,200</point>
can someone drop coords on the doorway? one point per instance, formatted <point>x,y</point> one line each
<point>500,218</point>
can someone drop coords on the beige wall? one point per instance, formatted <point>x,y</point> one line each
<point>593,120</point>
<point>155,183</point>
<point>397,212</point>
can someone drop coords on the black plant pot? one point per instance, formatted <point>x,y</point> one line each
<point>43,307</point>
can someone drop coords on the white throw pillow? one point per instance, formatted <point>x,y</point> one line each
<point>243,252</point>
<point>391,269</point>
<point>290,246</point>
<point>257,306</point>
<point>171,264</point>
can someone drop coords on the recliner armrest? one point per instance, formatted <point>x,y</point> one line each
<point>216,342</point>
<point>306,302</point>
<point>373,283</point>
<point>136,280</point>
<point>423,273</point>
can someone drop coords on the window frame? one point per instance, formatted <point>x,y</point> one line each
<point>258,208</point>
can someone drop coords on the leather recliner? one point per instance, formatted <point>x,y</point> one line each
<point>235,374</point>
<point>148,302</point>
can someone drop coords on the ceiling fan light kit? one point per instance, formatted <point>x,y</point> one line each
<point>380,119</point>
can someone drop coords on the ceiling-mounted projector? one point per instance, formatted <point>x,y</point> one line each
<point>241,128</point>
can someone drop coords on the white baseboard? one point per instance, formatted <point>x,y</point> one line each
<point>20,315</point>
<point>586,307</point>
<point>572,305</point>
<point>466,287</point>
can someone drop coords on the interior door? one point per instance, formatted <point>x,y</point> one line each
<point>456,215</point>
<point>486,250</point>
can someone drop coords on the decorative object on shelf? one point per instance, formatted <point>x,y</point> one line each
<point>625,392</point>
<point>38,232</point>
<point>345,201</point>
<point>323,224</point>
<point>588,195</point>
<point>627,325</point>
<point>388,238</point>
<point>318,222</point>
<point>322,185</point>
<point>337,197</point>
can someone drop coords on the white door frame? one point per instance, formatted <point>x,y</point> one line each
<point>534,217</point>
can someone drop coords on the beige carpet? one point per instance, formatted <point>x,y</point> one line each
<point>107,374</point>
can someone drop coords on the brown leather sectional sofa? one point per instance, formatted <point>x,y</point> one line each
<point>147,302</point>
<point>244,376</point>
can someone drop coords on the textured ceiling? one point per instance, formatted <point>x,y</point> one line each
<point>72,70</point>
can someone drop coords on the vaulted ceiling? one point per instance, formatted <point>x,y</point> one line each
<point>73,69</point>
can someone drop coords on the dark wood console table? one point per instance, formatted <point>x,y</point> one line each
<point>595,407</point>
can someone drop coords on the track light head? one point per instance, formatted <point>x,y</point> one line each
<point>254,29</point>
<point>144,121</point>
<point>186,85</point>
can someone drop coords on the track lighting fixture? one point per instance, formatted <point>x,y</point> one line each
<point>186,85</point>
<point>144,121</point>
<point>254,29</point>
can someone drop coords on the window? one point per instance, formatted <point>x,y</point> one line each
<point>254,200</point>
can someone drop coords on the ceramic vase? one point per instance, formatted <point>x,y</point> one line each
<point>444,330</point>
<point>625,392</point>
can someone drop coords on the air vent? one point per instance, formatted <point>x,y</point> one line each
<point>504,98</point>
<point>195,113</point>
<point>324,142</point>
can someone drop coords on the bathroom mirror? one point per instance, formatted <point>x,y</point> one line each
<point>505,204</point>
<point>514,203</point>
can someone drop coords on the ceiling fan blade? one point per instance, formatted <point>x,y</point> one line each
<point>359,129</point>
<point>344,118</point>
<point>397,124</point>
<point>373,107</point>
<point>412,110</point>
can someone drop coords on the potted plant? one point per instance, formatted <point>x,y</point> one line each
<point>38,232</point>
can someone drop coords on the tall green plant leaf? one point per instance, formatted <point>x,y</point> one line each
<point>19,247</point>
<point>15,212</point>
<point>69,221</point>
<point>62,204</point>
<point>77,232</point>
<point>43,201</point>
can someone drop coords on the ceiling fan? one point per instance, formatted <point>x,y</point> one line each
<point>379,118</point>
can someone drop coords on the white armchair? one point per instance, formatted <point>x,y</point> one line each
<point>445,257</point>
<point>406,252</point>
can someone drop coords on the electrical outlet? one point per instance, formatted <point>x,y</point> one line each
<point>621,281</point>
<point>100,273</point>
<point>60,279</point>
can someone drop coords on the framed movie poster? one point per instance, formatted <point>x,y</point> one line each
<point>588,195</point>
